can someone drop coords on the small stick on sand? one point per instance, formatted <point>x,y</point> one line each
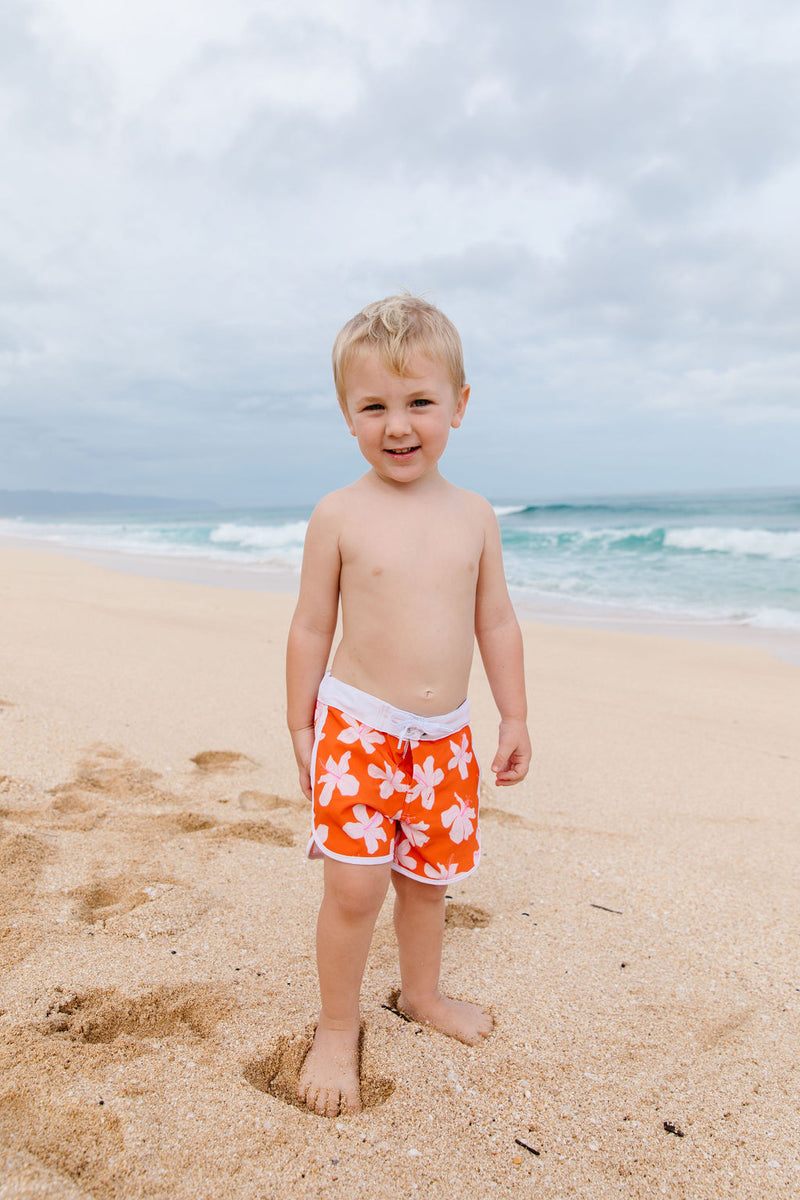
<point>525,1146</point>
<point>396,1012</point>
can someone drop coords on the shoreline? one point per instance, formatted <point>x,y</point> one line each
<point>784,644</point>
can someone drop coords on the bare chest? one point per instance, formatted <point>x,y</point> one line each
<point>406,556</point>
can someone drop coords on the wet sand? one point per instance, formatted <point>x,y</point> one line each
<point>633,926</point>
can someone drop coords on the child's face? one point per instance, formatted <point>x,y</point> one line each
<point>402,422</point>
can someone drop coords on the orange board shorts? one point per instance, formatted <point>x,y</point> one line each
<point>392,787</point>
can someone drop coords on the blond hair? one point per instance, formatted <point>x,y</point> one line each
<point>396,327</point>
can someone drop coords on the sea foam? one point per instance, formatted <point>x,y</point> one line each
<point>261,537</point>
<point>760,543</point>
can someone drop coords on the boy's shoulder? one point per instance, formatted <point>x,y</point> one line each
<point>472,504</point>
<point>337,502</point>
<point>473,500</point>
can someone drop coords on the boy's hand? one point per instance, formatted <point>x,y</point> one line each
<point>303,742</point>
<point>513,757</point>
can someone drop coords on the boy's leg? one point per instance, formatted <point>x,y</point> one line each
<point>351,902</point>
<point>419,922</point>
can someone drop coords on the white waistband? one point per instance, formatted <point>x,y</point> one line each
<point>377,714</point>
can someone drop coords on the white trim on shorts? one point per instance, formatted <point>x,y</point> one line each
<point>385,718</point>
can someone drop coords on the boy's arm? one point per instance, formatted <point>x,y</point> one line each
<point>311,632</point>
<point>500,643</point>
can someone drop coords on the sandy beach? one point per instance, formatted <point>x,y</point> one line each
<point>633,926</point>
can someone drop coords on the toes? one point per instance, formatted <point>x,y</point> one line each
<point>325,1102</point>
<point>350,1103</point>
<point>331,1103</point>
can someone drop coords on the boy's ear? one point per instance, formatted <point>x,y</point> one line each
<point>461,404</point>
<point>346,414</point>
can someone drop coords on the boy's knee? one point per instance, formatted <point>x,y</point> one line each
<point>355,890</point>
<point>418,892</point>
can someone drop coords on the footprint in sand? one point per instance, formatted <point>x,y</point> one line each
<point>77,811</point>
<point>112,897</point>
<point>104,774</point>
<point>173,824</point>
<point>466,916</point>
<point>278,1073</point>
<point>221,760</point>
<point>267,802</point>
<point>188,1012</point>
<point>132,907</point>
<point>255,831</point>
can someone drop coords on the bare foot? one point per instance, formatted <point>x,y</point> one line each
<point>467,1022</point>
<point>328,1082</point>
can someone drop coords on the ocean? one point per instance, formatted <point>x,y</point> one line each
<point>714,559</point>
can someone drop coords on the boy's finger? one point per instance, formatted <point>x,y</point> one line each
<point>509,770</point>
<point>504,758</point>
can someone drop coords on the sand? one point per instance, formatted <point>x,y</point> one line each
<point>633,925</point>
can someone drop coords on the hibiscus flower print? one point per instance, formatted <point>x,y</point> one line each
<point>403,856</point>
<point>336,776</point>
<point>391,780</point>
<point>427,777</point>
<point>461,757</point>
<point>415,834</point>
<point>356,732</point>
<point>440,871</point>
<point>370,828</point>
<point>458,820</point>
<point>320,716</point>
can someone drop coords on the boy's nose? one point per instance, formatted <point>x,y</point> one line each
<point>397,423</point>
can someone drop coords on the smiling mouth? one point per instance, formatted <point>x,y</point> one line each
<point>404,451</point>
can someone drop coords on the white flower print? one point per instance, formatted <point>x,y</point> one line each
<point>337,777</point>
<point>392,781</point>
<point>459,820</point>
<point>320,716</point>
<point>428,777</point>
<point>440,871</point>
<point>461,757</point>
<point>366,827</point>
<point>321,832</point>
<point>415,834</point>
<point>402,856</point>
<point>369,738</point>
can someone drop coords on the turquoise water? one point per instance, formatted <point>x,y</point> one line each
<point>713,557</point>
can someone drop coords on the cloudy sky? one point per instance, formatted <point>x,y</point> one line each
<point>194,196</point>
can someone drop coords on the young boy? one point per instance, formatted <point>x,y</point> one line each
<point>388,761</point>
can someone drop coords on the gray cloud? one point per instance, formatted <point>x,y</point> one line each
<point>603,196</point>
